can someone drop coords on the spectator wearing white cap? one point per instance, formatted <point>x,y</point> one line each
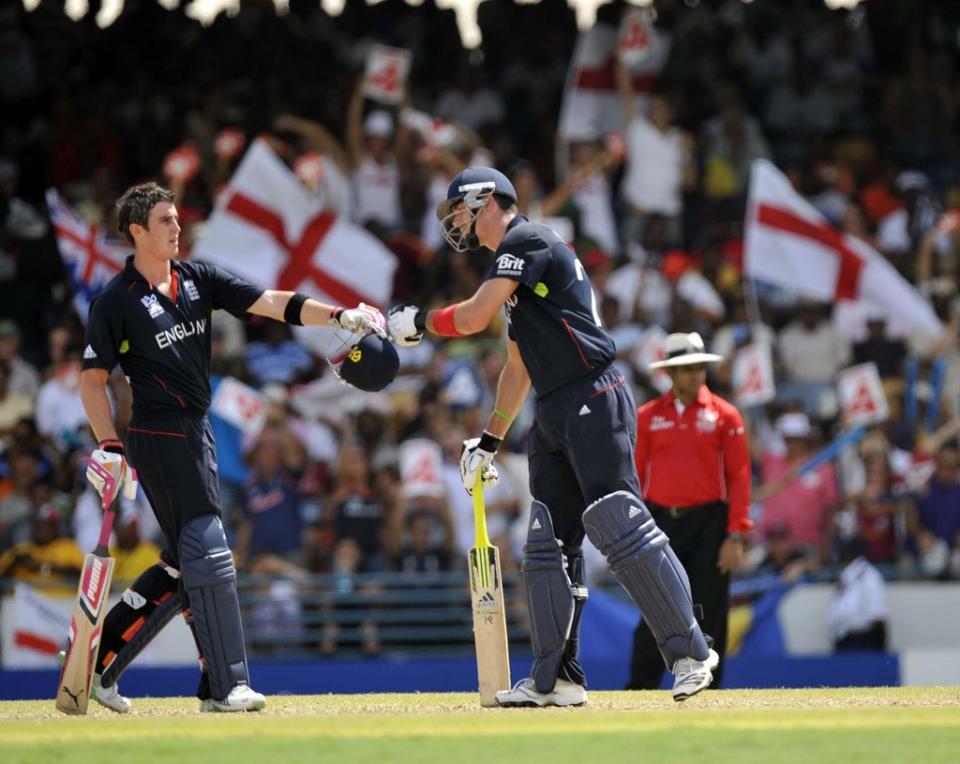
<point>803,504</point>
<point>373,144</point>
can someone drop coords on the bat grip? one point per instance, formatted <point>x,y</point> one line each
<point>110,487</point>
<point>480,514</point>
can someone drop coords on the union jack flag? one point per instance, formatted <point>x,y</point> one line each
<point>91,257</point>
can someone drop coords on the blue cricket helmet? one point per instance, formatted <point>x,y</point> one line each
<point>474,186</point>
<point>370,364</point>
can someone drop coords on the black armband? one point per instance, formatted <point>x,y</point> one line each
<point>489,443</point>
<point>291,314</point>
<point>113,446</point>
<point>420,319</point>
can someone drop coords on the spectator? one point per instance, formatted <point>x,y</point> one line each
<point>627,336</point>
<point>24,379</point>
<point>48,560</point>
<point>420,553</point>
<point>269,539</point>
<point>374,146</point>
<point>732,141</point>
<point>132,554</point>
<point>590,162</point>
<point>16,505</point>
<point>277,357</point>
<point>877,510</point>
<point>60,413</point>
<point>939,507</point>
<point>803,504</point>
<point>887,353</point>
<point>659,162</point>
<point>778,554</point>
<point>858,611</point>
<point>356,514</point>
<point>330,177</point>
<point>812,352</point>
<point>470,101</point>
<point>14,406</point>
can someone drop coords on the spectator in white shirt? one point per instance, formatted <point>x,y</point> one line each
<point>659,162</point>
<point>60,412</point>
<point>812,351</point>
<point>373,145</point>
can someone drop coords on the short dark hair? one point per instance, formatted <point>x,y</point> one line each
<point>505,203</point>
<point>135,205</point>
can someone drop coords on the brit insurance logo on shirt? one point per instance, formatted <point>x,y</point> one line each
<point>154,308</point>
<point>509,265</point>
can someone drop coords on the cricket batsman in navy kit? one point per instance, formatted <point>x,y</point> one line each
<point>582,472</point>
<point>153,319</point>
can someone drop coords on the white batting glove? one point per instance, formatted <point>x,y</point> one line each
<point>406,324</point>
<point>363,319</point>
<point>114,463</point>
<point>476,458</point>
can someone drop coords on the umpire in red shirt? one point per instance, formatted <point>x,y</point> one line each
<point>694,470</point>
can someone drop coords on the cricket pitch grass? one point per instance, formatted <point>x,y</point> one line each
<point>742,726</point>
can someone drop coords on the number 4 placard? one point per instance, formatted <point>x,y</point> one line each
<point>386,74</point>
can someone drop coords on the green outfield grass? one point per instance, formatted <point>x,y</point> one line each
<point>742,726</point>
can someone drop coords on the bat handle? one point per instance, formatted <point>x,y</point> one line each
<point>480,514</point>
<point>110,487</point>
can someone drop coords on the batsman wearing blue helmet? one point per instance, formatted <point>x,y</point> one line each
<point>153,320</point>
<point>582,473</point>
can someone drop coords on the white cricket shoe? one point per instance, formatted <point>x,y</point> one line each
<point>241,698</point>
<point>525,693</point>
<point>691,675</point>
<point>109,697</point>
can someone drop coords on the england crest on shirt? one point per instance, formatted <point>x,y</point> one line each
<point>154,308</point>
<point>191,288</point>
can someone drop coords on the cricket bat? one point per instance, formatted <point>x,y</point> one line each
<point>489,615</point>
<point>73,691</point>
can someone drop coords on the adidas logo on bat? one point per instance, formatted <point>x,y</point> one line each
<point>486,602</point>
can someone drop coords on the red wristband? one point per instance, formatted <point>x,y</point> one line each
<point>443,322</point>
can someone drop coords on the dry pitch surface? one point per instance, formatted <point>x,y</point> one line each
<point>742,726</point>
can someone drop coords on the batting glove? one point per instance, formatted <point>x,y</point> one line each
<point>476,458</point>
<point>109,456</point>
<point>407,323</point>
<point>364,319</point>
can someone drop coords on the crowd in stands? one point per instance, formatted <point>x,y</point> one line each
<point>334,483</point>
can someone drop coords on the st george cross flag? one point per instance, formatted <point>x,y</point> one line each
<point>90,256</point>
<point>591,105</point>
<point>272,231</point>
<point>791,245</point>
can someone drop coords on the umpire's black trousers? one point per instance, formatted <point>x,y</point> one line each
<point>696,535</point>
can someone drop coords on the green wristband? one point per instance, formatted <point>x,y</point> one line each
<point>504,417</point>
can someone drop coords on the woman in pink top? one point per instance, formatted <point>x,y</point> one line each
<point>805,505</point>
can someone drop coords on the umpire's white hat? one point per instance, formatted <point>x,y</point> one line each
<point>683,350</point>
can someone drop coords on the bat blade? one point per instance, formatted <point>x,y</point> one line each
<point>489,623</point>
<point>73,690</point>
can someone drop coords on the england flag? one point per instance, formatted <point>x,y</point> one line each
<point>791,245</point>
